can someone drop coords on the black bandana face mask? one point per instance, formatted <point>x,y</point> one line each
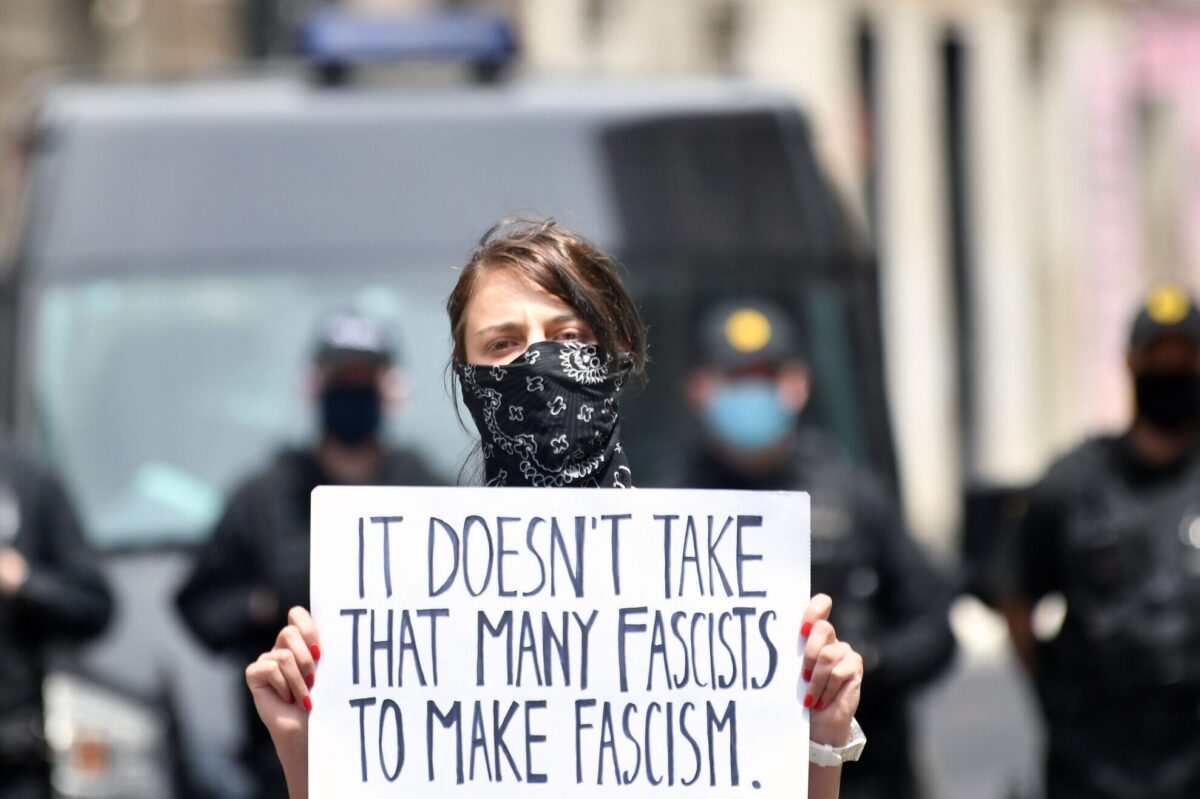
<point>1169,401</point>
<point>550,418</point>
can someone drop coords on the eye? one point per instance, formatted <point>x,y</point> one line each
<point>575,333</point>
<point>500,345</point>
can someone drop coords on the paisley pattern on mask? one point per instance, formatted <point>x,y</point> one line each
<point>550,418</point>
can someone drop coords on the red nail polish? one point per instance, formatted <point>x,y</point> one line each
<point>310,679</point>
<point>316,651</point>
<point>808,675</point>
<point>308,703</point>
<point>820,704</point>
<point>806,629</point>
<point>808,700</point>
<point>291,699</point>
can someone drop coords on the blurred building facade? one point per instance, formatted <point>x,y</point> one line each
<point>1025,168</point>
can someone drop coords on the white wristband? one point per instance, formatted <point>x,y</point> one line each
<point>827,756</point>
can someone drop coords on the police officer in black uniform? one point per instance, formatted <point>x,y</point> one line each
<point>50,592</point>
<point>890,602</point>
<point>255,567</point>
<point>1114,530</point>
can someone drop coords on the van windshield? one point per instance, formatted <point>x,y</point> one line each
<point>154,396</point>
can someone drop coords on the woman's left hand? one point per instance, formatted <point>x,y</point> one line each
<point>834,672</point>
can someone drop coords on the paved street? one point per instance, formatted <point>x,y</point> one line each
<point>979,724</point>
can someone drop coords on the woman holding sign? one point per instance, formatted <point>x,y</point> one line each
<point>545,338</point>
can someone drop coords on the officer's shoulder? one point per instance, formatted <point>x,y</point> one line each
<point>815,446</point>
<point>818,450</point>
<point>278,470</point>
<point>1082,462</point>
<point>406,465</point>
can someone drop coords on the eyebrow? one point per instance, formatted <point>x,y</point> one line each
<point>506,327</point>
<point>500,328</point>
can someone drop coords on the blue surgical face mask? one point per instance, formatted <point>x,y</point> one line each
<point>748,415</point>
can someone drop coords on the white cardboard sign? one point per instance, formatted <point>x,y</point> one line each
<point>558,642</point>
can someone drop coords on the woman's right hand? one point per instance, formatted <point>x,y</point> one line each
<point>281,680</point>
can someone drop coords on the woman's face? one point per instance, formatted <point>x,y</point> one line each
<point>507,313</point>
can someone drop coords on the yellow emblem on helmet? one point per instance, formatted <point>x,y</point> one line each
<point>1167,305</point>
<point>747,330</point>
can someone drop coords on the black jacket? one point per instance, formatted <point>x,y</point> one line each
<point>1120,683</point>
<point>64,598</point>
<point>889,601</point>
<point>255,567</point>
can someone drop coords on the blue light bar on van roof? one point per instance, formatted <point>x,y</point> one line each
<point>337,37</point>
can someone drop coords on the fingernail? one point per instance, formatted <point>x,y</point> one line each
<point>808,675</point>
<point>291,699</point>
<point>806,629</point>
<point>820,704</point>
<point>808,700</point>
<point>316,651</point>
<point>310,679</point>
<point>308,703</point>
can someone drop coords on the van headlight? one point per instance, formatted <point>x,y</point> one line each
<point>104,745</point>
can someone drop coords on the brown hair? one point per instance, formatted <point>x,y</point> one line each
<point>567,266</point>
